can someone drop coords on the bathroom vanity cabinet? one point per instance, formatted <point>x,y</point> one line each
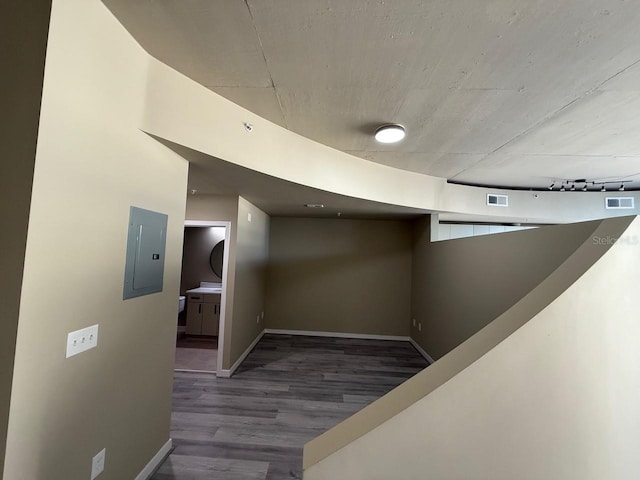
<point>203,314</point>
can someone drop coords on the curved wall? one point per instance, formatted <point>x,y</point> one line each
<point>91,164</point>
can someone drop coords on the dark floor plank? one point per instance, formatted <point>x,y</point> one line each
<point>289,390</point>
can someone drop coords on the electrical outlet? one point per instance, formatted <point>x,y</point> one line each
<point>248,217</point>
<point>414,322</point>
<point>258,319</point>
<point>97,464</point>
<point>262,314</point>
<point>82,340</point>
<point>419,326</point>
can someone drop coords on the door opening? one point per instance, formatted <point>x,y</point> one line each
<point>203,291</point>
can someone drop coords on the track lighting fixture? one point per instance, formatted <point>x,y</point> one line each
<point>584,189</point>
<point>621,188</point>
<point>552,185</point>
<point>562,189</point>
<point>603,189</point>
<point>573,187</point>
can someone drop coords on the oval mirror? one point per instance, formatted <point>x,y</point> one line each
<point>215,260</point>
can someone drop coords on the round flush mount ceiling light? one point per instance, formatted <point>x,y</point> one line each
<point>390,133</point>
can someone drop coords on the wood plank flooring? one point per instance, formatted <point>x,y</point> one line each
<point>289,390</point>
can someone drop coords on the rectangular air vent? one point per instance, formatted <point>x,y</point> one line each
<point>619,202</point>
<point>495,200</point>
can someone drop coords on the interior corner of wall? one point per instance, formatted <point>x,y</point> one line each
<point>434,227</point>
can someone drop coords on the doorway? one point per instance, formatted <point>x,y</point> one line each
<point>201,324</point>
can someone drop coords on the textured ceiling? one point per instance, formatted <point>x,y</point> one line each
<point>512,93</point>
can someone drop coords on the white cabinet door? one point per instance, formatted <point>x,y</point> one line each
<point>194,318</point>
<point>210,318</point>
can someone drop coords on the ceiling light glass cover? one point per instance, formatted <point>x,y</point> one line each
<point>390,133</point>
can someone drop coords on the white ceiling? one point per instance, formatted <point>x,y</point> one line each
<point>510,93</point>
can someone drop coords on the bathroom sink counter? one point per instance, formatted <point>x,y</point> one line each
<point>203,290</point>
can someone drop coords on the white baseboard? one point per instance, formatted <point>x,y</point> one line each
<point>155,462</point>
<point>421,351</point>
<point>189,370</point>
<point>336,334</point>
<point>227,373</point>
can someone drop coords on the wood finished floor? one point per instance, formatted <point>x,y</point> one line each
<point>289,390</point>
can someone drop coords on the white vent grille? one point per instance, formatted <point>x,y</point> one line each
<point>497,200</point>
<point>619,202</point>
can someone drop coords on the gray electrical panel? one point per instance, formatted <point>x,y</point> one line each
<point>144,268</point>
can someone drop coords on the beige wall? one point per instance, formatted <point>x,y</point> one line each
<point>252,254</point>
<point>248,254</point>
<point>92,164</point>
<point>24,39</point>
<point>556,399</point>
<point>339,275</point>
<point>461,285</point>
<point>196,266</point>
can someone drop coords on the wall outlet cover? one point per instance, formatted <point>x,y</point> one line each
<point>97,464</point>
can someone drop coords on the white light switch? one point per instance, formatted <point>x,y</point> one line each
<point>82,340</point>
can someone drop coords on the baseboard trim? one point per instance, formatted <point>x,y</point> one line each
<point>421,351</point>
<point>224,373</point>
<point>227,373</point>
<point>363,336</point>
<point>189,370</point>
<point>155,462</point>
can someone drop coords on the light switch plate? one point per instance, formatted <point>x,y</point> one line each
<point>97,464</point>
<point>82,340</point>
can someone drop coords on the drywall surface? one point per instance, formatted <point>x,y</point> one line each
<point>220,208</point>
<point>557,398</point>
<point>92,163</point>
<point>24,40</point>
<point>196,267</point>
<point>252,254</point>
<point>461,285</point>
<point>338,275</point>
